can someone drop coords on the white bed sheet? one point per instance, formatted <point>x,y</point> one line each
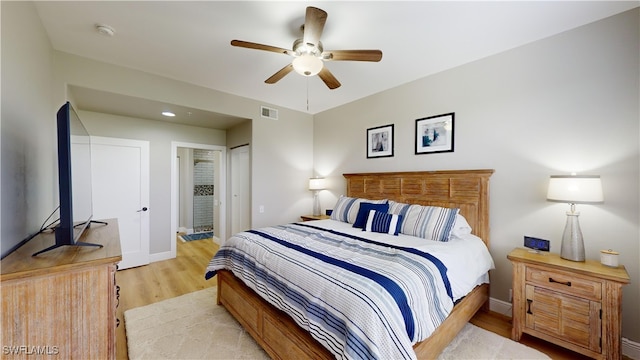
<point>466,257</point>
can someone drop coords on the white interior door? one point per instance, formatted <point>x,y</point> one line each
<point>120,176</point>
<point>240,190</point>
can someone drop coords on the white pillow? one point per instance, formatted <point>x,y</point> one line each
<point>461,227</point>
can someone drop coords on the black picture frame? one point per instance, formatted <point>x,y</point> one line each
<point>380,141</point>
<point>435,134</point>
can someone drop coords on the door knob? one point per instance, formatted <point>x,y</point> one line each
<point>143,209</point>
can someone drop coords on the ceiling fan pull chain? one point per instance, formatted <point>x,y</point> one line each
<point>307,94</point>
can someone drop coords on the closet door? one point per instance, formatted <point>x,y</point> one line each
<point>240,189</point>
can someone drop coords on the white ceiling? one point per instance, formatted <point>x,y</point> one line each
<point>189,41</point>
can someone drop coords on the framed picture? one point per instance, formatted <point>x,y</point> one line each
<point>434,134</point>
<point>380,141</point>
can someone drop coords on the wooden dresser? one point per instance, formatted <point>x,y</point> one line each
<point>62,303</point>
<point>576,305</point>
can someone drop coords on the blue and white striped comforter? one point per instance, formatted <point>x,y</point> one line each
<point>360,299</point>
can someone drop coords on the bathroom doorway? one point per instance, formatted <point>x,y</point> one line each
<point>196,197</point>
<point>198,187</point>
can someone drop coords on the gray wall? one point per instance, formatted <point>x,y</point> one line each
<point>35,80</point>
<point>281,150</point>
<point>29,175</point>
<point>160,135</point>
<point>566,103</point>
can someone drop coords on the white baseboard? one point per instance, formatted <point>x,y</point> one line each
<point>630,348</point>
<point>499,306</point>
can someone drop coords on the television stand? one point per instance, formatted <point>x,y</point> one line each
<point>64,303</point>
<point>77,243</point>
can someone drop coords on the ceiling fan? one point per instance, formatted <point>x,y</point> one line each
<point>309,55</point>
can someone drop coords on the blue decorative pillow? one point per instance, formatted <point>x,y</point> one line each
<point>382,222</point>
<point>363,213</point>
<point>346,208</point>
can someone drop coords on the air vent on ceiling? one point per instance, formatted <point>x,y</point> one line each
<point>269,113</point>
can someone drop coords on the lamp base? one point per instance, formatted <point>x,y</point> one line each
<point>316,203</point>
<point>572,243</point>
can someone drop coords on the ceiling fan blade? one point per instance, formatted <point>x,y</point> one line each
<point>329,79</point>
<point>313,25</point>
<point>279,75</point>
<point>352,55</point>
<point>251,45</point>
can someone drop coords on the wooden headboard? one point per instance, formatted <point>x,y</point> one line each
<point>464,189</point>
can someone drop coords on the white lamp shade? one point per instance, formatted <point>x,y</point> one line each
<point>575,189</point>
<point>307,65</point>
<point>316,184</point>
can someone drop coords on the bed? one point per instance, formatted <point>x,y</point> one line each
<point>289,335</point>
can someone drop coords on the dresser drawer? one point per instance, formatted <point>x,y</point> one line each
<point>564,282</point>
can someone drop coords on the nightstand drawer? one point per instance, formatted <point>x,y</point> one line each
<point>564,282</point>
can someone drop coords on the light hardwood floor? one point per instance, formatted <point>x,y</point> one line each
<point>162,280</point>
<point>170,278</point>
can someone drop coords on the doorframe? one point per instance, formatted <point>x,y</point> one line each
<point>222,191</point>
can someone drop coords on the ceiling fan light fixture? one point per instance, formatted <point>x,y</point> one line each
<point>307,65</point>
<point>308,54</point>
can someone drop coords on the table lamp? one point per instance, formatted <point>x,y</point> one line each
<point>574,189</point>
<point>315,185</point>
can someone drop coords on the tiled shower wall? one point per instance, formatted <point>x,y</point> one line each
<point>203,190</point>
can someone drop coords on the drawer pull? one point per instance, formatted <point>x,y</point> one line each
<point>529,301</point>
<point>551,280</point>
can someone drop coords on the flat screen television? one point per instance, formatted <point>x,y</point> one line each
<point>74,180</point>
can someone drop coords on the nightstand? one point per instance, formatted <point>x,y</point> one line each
<point>314,217</point>
<point>576,305</point>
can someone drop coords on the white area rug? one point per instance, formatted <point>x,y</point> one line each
<point>192,326</point>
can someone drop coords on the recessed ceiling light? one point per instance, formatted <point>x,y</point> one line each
<point>168,113</point>
<point>105,30</point>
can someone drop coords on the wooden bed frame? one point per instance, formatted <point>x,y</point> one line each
<point>468,190</point>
